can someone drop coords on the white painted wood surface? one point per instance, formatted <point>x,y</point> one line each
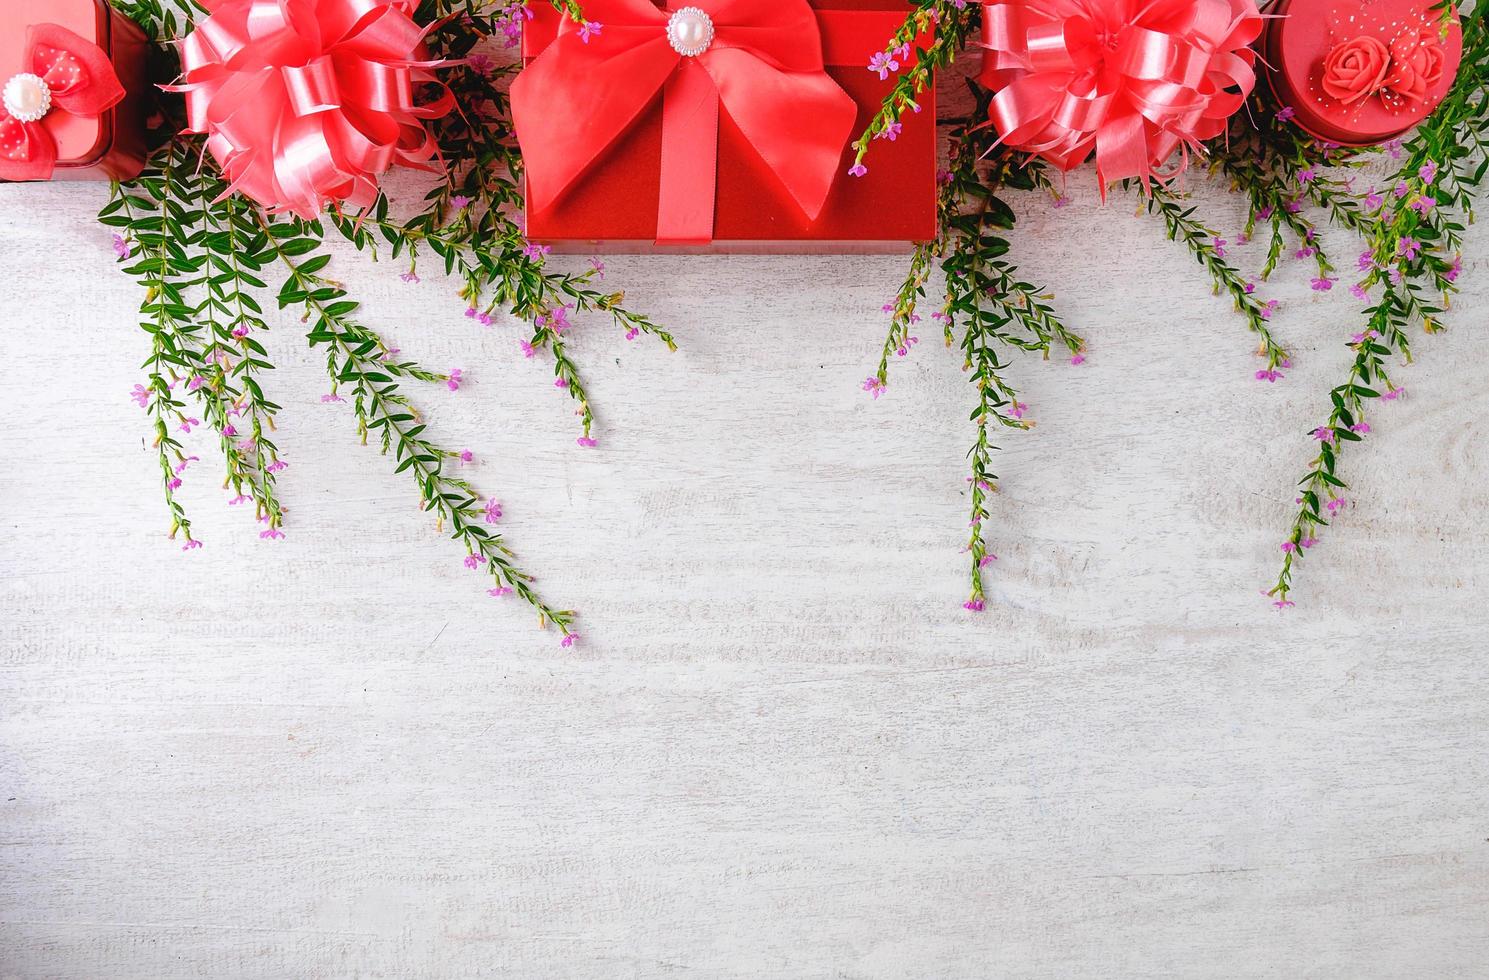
<point>782,749</point>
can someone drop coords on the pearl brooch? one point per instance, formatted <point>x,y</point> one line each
<point>690,31</point>
<point>27,97</point>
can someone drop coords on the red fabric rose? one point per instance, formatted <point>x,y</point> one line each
<point>1416,64</point>
<point>1357,69</point>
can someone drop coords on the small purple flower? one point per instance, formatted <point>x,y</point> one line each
<point>121,247</point>
<point>974,605</point>
<point>277,466</point>
<point>1428,172</point>
<point>410,276</point>
<point>987,560</point>
<point>1284,603</point>
<point>459,202</point>
<point>1361,428</point>
<point>1359,292</point>
<point>1078,359</point>
<point>528,350</point>
<point>1324,434</point>
<point>1336,504</point>
<point>191,545</point>
<point>1455,270</point>
<point>1218,244</point>
<point>1264,213</point>
<point>586,442</point>
<point>185,462</point>
<point>141,396</point>
<point>465,456</point>
<point>874,386</point>
<point>332,397</point>
<point>1373,200</point>
<point>455,379</point>
<point>1271,375</point>
<point>493,511</point>
<point>535,252</point>
<point>1393,147</point>
<point>891,132</point>
<point>597,267</point>
<point>569,640</point>
<point>473,562</point>
<point>271,534</point>
<point>1322,284</point>
<point>560,383</point>
<point>173,483</point>
<point>857,170</point>
<point>1286,113</point>
<point>1307,175</point>
<point>188,423</point>
<point>1409,248</point>
<point>589,29</point>
<point>499,592</point>
<point>882,63</point>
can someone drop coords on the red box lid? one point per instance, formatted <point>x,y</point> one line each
<point>80,141</point>
<point>1300,41</point>
<point>895,203</point>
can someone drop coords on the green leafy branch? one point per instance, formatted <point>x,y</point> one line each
<point>1202,242</point>
<point>358,359</point>
<point>949,24</point>
<point>1413,233</point>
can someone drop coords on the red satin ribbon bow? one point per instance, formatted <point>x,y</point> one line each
<point>306,102</point>
<point>76,78</point>
<point>1135,79</point>
<point>764,66</point>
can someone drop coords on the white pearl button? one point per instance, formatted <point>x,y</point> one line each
<point>27,97</point>
<point>690,32</point>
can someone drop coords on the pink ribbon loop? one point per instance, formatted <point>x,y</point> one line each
<point>1132,82</point>
<point>308,102</point>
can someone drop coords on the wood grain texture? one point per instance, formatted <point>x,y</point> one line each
<point>782,749</point>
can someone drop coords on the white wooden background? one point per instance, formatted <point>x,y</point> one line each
<point>782,749</point>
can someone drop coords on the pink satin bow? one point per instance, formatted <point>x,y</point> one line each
<point>764,66</point>
<point>308,102</point>
<point>1133,79</point>
<point>75,76</point>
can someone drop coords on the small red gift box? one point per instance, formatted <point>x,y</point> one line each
<point>49,60</point>
<point>1359,72</point>
<point>614,205</point>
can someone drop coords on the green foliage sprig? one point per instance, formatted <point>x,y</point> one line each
<point>204,259</point>
<point>1413,232</point>
<point>985,297</point>
<point>1204,244</point>
<point>948,24</point>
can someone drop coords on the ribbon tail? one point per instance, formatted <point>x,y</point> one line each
<point>799,122</point>
<point>575,100</point>
<point>27,150</point>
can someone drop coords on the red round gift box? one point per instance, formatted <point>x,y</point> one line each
<point>1300,39</point>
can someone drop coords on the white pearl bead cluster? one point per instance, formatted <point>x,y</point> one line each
<point>27,97</point>
<point>690,31</point>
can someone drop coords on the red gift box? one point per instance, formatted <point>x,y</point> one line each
<point>1359,72</point>
<point>111,144</point>
<point>614,207</point>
